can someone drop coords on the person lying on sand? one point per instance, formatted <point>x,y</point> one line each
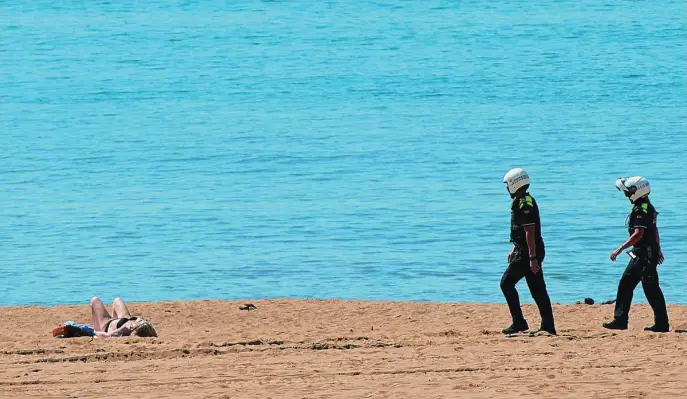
<point>122,324</point>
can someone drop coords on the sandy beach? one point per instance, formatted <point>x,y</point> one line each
<point>342,349</point>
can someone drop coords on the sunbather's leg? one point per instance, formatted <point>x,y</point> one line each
<point>99,313</point>
<point>119,309</point>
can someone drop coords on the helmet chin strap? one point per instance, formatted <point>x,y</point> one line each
<point>515,194</point>
<point>628,193</point>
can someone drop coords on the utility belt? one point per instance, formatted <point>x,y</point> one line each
<point>644,251</point>
<point>524,252</point>
<point>521,249</point>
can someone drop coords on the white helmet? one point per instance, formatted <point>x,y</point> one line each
<point>515,179</point>
<point>634,187</point>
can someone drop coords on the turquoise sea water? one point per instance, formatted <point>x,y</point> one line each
<point>354,149</point>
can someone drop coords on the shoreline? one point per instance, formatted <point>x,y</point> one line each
<point>525,301</point>
<point>339,348</point>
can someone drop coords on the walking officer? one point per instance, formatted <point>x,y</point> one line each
<point>645,257</point>
<point>527,255</point>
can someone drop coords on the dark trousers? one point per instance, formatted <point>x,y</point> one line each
<point>644,270</point>
<point>518,268</point>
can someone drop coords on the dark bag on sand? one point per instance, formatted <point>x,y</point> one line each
<point>71,330</point>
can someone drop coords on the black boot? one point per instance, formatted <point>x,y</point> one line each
<point>516,328</point>
<point>658,328</point>
<point>549,329</point>
<point>615,325</point>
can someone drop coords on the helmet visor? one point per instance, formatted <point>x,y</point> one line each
<point>620,185</point>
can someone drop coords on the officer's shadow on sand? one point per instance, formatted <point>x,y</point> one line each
<point>566,334</point>
<point>530,334</point>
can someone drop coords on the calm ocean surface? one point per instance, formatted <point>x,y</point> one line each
<point>348,149</point>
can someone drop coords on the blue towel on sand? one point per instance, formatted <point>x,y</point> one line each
<point>83,327</point>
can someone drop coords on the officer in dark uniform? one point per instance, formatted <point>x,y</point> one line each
<point>645,257</point>
<point>526,257</point>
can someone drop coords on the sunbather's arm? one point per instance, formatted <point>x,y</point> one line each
<point>121,331</point>
<point>124,330</point>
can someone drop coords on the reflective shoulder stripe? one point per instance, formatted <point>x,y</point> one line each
<point>526,200</point>
<point>645,207</point>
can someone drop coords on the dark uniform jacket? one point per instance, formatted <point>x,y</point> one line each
<point>644,216</point>
<point>525,212</point>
